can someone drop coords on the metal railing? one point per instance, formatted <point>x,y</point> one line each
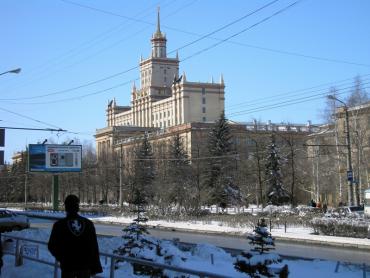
<point>19,256</point>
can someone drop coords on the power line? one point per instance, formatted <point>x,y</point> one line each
<point>292,93</point>
<point>29,118</point>
<point>99,38</point>
<point>135,67</point>
<point>226,26</point>
<point>243,31</point>
<point>30,128</point>
<point>81,96</point>
<point>232,42</point>
<point>283,104</point>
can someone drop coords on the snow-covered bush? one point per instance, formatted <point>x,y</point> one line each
<point>137,243</point>
<point>347,227</point>
<point>258,262</point>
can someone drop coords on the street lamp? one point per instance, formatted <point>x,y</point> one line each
<point>18,70</point>
<point>349,156</point>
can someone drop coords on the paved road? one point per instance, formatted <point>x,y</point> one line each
<point>283,248</point>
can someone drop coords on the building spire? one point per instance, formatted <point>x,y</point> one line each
<point>159,41</point>
<point>158,21</point>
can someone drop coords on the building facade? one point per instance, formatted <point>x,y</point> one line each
<point>164,99</point>
<point>328,153</point>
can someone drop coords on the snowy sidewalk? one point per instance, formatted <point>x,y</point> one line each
<point>293,234</point>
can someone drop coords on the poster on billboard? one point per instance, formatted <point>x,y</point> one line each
<point>54,158</point>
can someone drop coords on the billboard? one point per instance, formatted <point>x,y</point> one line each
<point>54,158</point>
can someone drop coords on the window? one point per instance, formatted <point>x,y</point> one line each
<point>204,119</point>
<point>204,100</point>
<point>203,109</point>
<point>168,123</point>
<point>164,114</point>
<point>203,91</point>
<point>164,71</point>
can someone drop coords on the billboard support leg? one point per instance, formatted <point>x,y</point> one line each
<point>55,197</point>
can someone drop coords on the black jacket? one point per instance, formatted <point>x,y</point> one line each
<point>73,243</point>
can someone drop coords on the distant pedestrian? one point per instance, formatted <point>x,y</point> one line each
<point>325,208</point>
<point>73,243</point>
<point>318,204</point>
<point>312,203</point>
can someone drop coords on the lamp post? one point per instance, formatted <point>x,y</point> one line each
<point>18,70</point>
<point>349,156</point>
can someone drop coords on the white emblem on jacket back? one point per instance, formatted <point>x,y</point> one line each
<point>76,226</point>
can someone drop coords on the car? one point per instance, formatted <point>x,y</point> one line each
<point>10,221</point>
<point>351,210</point>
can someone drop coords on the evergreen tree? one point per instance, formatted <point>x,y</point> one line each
<point>180,173</point>
<point>257,262</point>
<point>276,194</point>
<point>141,189</point>
<point>223,190</point>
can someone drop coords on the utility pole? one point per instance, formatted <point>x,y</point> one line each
<point>120,179</point>
<point>25,159</point>
<point>55,189</point>
<point>351,200</point>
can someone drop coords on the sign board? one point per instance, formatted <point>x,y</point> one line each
<point>30,250</point>
<point>349,175</point>
<point>54,158</point>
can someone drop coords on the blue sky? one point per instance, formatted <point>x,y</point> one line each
<point>60,45</point>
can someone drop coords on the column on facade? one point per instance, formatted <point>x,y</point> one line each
<point>181,107</point>
<point>147,112</point>
<point>133,113</point>
<point>177,108</point>
<point>150,113</point>
<point>140,115</point>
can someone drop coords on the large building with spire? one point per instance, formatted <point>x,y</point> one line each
<point>164,100</point>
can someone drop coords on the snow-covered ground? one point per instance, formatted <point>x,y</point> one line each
<point>299,233</point>
<point>199,259</point>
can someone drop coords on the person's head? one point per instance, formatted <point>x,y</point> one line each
<point>71,204</point>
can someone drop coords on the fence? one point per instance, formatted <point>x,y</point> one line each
<point>20,255</point>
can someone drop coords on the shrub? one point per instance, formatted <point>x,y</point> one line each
<point>345,227</point>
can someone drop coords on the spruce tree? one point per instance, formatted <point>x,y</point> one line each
<point>258,262</point>
<point>180,173</point>
<point>144,173</point>
<point>276,194</point>
<point>223,190</point>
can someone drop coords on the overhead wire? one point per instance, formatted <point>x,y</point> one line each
<point>30,118</point>
<point>290,102</point>
<point>232,42</point>
<point>135,67</point>
<point>294,93</point>
<point>242,31</point>
<point>87,44</point>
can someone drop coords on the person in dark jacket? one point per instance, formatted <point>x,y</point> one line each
<point>1,255</point>
<point>73,243</point>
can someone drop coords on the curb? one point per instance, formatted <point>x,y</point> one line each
<point>319,242</point>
